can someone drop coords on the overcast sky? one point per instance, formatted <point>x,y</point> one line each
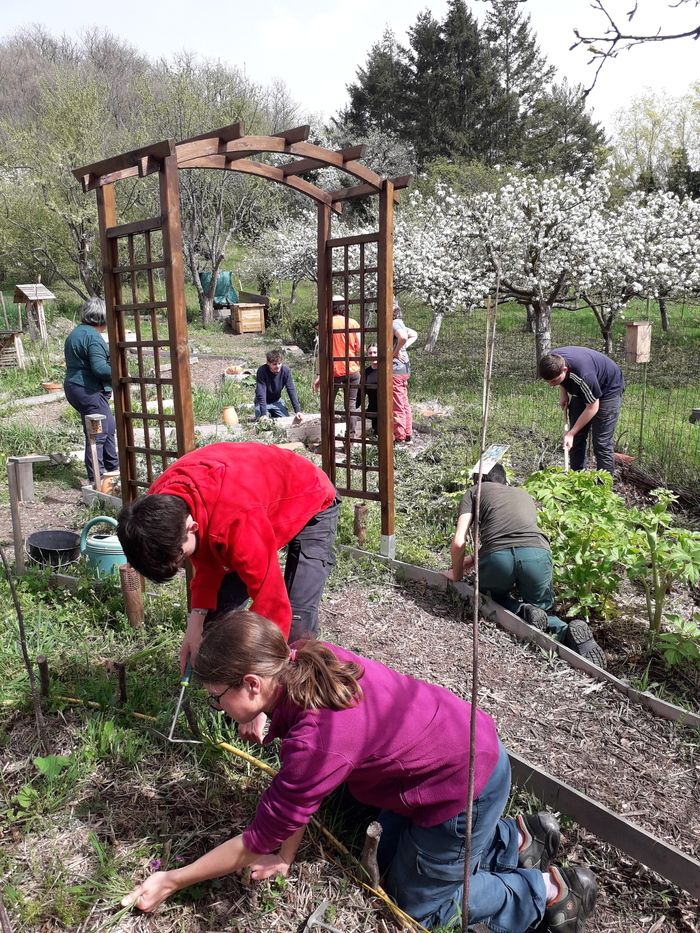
<point>315,46</point>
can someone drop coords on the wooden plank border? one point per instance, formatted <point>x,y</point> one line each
<point>513,624</point>
<point>666,860</point>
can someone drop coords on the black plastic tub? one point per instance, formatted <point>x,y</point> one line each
<point>53,548</point>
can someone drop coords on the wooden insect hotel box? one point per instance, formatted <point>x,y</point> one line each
<point>638,342</point>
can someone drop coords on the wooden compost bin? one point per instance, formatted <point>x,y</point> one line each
<point>248,319</point>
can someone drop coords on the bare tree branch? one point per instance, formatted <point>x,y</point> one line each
<point>615,39</point>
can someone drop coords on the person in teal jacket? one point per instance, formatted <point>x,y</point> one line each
<point>88,385</point>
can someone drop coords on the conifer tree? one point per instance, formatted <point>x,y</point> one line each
<point>560,136</point>
<point>426,55</point>
<point>522,75</point>
<point>378,97</point>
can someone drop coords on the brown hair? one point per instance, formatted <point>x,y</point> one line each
<point>274,356</point>
<point>242,642</point>
<point>551,365</point>
<point>152,530</point>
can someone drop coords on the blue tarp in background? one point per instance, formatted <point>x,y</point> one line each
<point>225,294</point>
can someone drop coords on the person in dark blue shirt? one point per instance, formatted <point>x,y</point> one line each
<point>270,380</point>
<point>590,389</point>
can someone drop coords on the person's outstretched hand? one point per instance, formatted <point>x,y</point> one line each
<point>568,441</point>
<point>153,891</point>
<point>298,418</point>
<point>268,866</point>
<point>253,731</point>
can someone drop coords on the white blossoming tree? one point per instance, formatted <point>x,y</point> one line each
<point>647,247</point>
<point>535,237</point>
<point>431,260</point>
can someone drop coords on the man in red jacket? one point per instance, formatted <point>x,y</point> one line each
<point>230,508</point>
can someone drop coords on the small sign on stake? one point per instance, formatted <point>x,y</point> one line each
<point>492,455</point>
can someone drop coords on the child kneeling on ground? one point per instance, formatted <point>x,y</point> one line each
<point>401,745</point>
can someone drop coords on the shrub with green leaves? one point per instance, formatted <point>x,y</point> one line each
<point>595,539</point>
<point>659,554</point>
<point>585,523</point>
<point>680,642</point>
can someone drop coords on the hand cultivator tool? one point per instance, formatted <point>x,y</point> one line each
<point>316,921</point>
<point>184,684</point>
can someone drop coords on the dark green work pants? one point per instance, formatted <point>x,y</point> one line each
<point>528,570</point>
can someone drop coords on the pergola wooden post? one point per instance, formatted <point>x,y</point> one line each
<point>361,266</point>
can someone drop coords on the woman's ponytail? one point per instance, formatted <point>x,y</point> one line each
<point>242,642</point>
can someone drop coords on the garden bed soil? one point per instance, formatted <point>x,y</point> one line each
<point>582,732</point>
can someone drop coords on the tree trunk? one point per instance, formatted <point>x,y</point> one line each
<point>529,325</point>
<point>206,306</point>
<point>607,336</point>
<point>293,295</point>
<point>434,331</point>
<point>663,311</point>
<point>543,329</point>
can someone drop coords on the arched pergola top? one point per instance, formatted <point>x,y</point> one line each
<point>229,149</point>
<point>143,258</point>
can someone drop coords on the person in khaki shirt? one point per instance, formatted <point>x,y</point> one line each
<point>514,555</point>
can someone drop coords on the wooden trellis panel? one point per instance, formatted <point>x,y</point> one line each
<point>359,463</point>
<point>146,319</point>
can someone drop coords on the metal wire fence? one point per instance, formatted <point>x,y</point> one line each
<point>655,426</point>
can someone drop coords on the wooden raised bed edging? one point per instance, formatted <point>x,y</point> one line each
<point>491,611</point>
<point>666,860</point>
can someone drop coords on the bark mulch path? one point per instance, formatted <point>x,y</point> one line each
<point>581,732</point>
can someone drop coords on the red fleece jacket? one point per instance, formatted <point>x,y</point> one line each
<point>249,500</point>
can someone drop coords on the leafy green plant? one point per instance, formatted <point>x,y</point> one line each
<point>585,523</point>
<point>51,766</point>
<point>680,642</point>
<point>303,330</point>
<point>660,554</point>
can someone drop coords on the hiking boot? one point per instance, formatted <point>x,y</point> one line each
<point>534,616</point>
<point>579,637</point>
<point>540,832</point>
<point>575,901</point>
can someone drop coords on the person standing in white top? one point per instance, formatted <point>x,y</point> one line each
<point>404,337</point>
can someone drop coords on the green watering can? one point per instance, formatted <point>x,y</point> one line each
<point>103,550</point>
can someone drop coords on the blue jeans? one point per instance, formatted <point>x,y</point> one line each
<point>272,410</point>
<point>95,403</point>
<point>424,866</point>
<point>529,570</point>
<point>602,424</point>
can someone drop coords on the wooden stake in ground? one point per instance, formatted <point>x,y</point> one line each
<point>36,700</point>
<point>94,426</point>
<point>130,581</point>
<point>368,859</point>
<point>489,350</point>
<point>359,526</point>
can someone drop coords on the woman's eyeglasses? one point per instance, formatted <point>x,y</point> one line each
<point>215,700</point>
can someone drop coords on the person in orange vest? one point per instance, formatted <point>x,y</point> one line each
<point>346,349</point>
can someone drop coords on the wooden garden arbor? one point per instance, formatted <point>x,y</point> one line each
<point>144,290</point>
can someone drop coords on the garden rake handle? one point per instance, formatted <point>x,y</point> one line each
<point>566,431</point>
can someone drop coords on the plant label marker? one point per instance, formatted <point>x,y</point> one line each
<point>491,457</point>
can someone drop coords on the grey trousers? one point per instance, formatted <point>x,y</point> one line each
<point>310,559</point>
<point>603,426</point>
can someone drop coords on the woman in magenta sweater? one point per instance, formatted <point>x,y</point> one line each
<point>400,745</point>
